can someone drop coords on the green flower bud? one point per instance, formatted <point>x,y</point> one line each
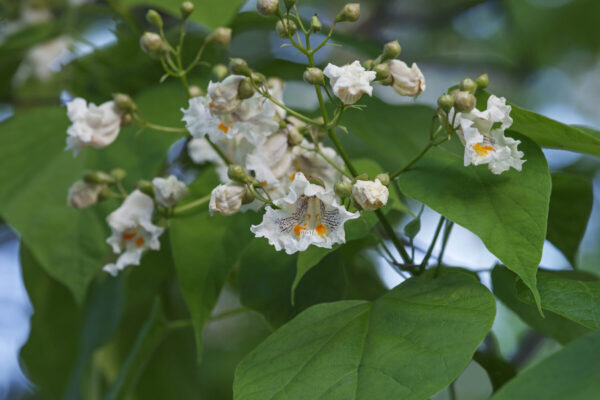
<point>482,81</point>
<point>314,76</point>
<point>267,7</point>
<point>343,188</point>
<point>123,102</point>
<point>104,194</point>
<point>463,101</point>
<point>222,36</point>
<point>289,4</point>
<point>285,27</point>
<point>382,71</point>
<point>316,181</point>
<point>118,173</point>
<point>196,91</point>
<point>350,13</point>
<point>154,18</point>
<point>245,89</point>
<point>468,85</point>
<point>126,119</point>
<point>315,23</point>
<point>187,8</point>
<point>362,177</point>
<point>151,43</point>
<point>98,177</point>
<point>239,66</point>
<point>445,102</point>
<point>384,178</point>
<point>146,187</point>
<point>236,173</point>
<point>391,50</point>
<point>248,196</point>
<point>257,77</point>
<point>368,64</point>
<point>220,71</point>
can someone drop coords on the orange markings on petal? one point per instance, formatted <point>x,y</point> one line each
<point>293,176</point>
<point>263,184</point>
<point>129,236</point>
<point>140,241</point>
<point>223,127</point>
<point>482,150</point>
<point>298,230</point>
<point>321,230</point>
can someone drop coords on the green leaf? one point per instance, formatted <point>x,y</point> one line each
<point>569,297</point>
<point>206,11</point>
<point>552,325</point>
<point>37,173</point>
<point>572,373</point>
<point>547,132</point>
<point>205,249</point>
<point>570,208</point>
<point>408,344</point>
<point>497,368</point>
<point>508,211</point>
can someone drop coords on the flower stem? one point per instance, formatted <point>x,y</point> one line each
<point>218,151</point>
<point>417,158</point>
<point>432,245</point>
<point>445,237</point>
<point>191,205</point>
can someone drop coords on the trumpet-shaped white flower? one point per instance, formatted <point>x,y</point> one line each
<point>95,126</point>
<point>132,231</point>
<point>44,60</point>
<point>235,149</point>
<point>370,195</point>
<point>83,194</point>
<point>350,82</point>
<point>169,191</point>
<point>311,163</point>
<point>482,133</point>
<point>406,81</point>
<point>226,199</point>
<point>221,114</point>
<point>308,215</point>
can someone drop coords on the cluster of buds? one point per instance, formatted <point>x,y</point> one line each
<point>93,187</point>
<point>368,195</point>
<point>461,99</point>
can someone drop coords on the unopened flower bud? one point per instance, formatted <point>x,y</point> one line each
<point>382,71</point>
<point>289,4</point>
<point>123,102</point>
<point>343,188</point>
<point>196,91</point>
<point>220,71</point>
<point>482,81</point>
<point>236,173</point>
<point>445,102</point>
<point>248,196</point>
<point>151,42</point>
<point>239,66</point>
<point>294,136</point>
<point>97,177</point>
<point>118,173</point>
<point>222,36</point>
<point>146,187</point>
<point>126,119</point>
<point>245,89</point>
<point>104,194</point>
<point>316,181</point>
<point>468,85</point>
<point>285,28</point>
<point>463,101</point>
<point>169,190</point>
<point>391,50</point>
<point>350,13</point>
<point>227,199</point>
<point>361,177</point>
<point>187,8</point>
<point>384,178</point>
<point>315,23</point>
<point>154,18</point>
<point>314,76</point>
<point>267,7</point>
<point>258,78</point>
<point>83,194</point>
<point>370,195</point>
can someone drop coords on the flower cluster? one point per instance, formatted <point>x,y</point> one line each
<point>270,158</point>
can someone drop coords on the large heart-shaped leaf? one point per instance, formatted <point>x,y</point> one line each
<point>572,373</point>
<point>408,344</point>
<point>570,208</point>
<point>508,211</point>
<point>205,248</point>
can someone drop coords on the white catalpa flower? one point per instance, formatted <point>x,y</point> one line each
<point>308,215</point>
<point>350,82</point>
<point>370,195</point>
<point>199,121</point>
<point>406,81</point>
<point>223,96</point>
<point>235,149</point>
<point>169,191</point>
<point>226,199</point>
<point>311,163</point>
<point>482,133</point>
<point>44,60</point>
<point>271,161</point>
<point>83,194</point>
<point>95,126</point>
<point>132,231</point>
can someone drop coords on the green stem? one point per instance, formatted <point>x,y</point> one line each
<point>445,237</point>
<point>163,128</point>
<point>417,157</point>
<point>191,205</point>
<point>296,114</point>
<point>432,245</point>
<point>392,234</point>
<point>218,150</point>
<point>452,391</point>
